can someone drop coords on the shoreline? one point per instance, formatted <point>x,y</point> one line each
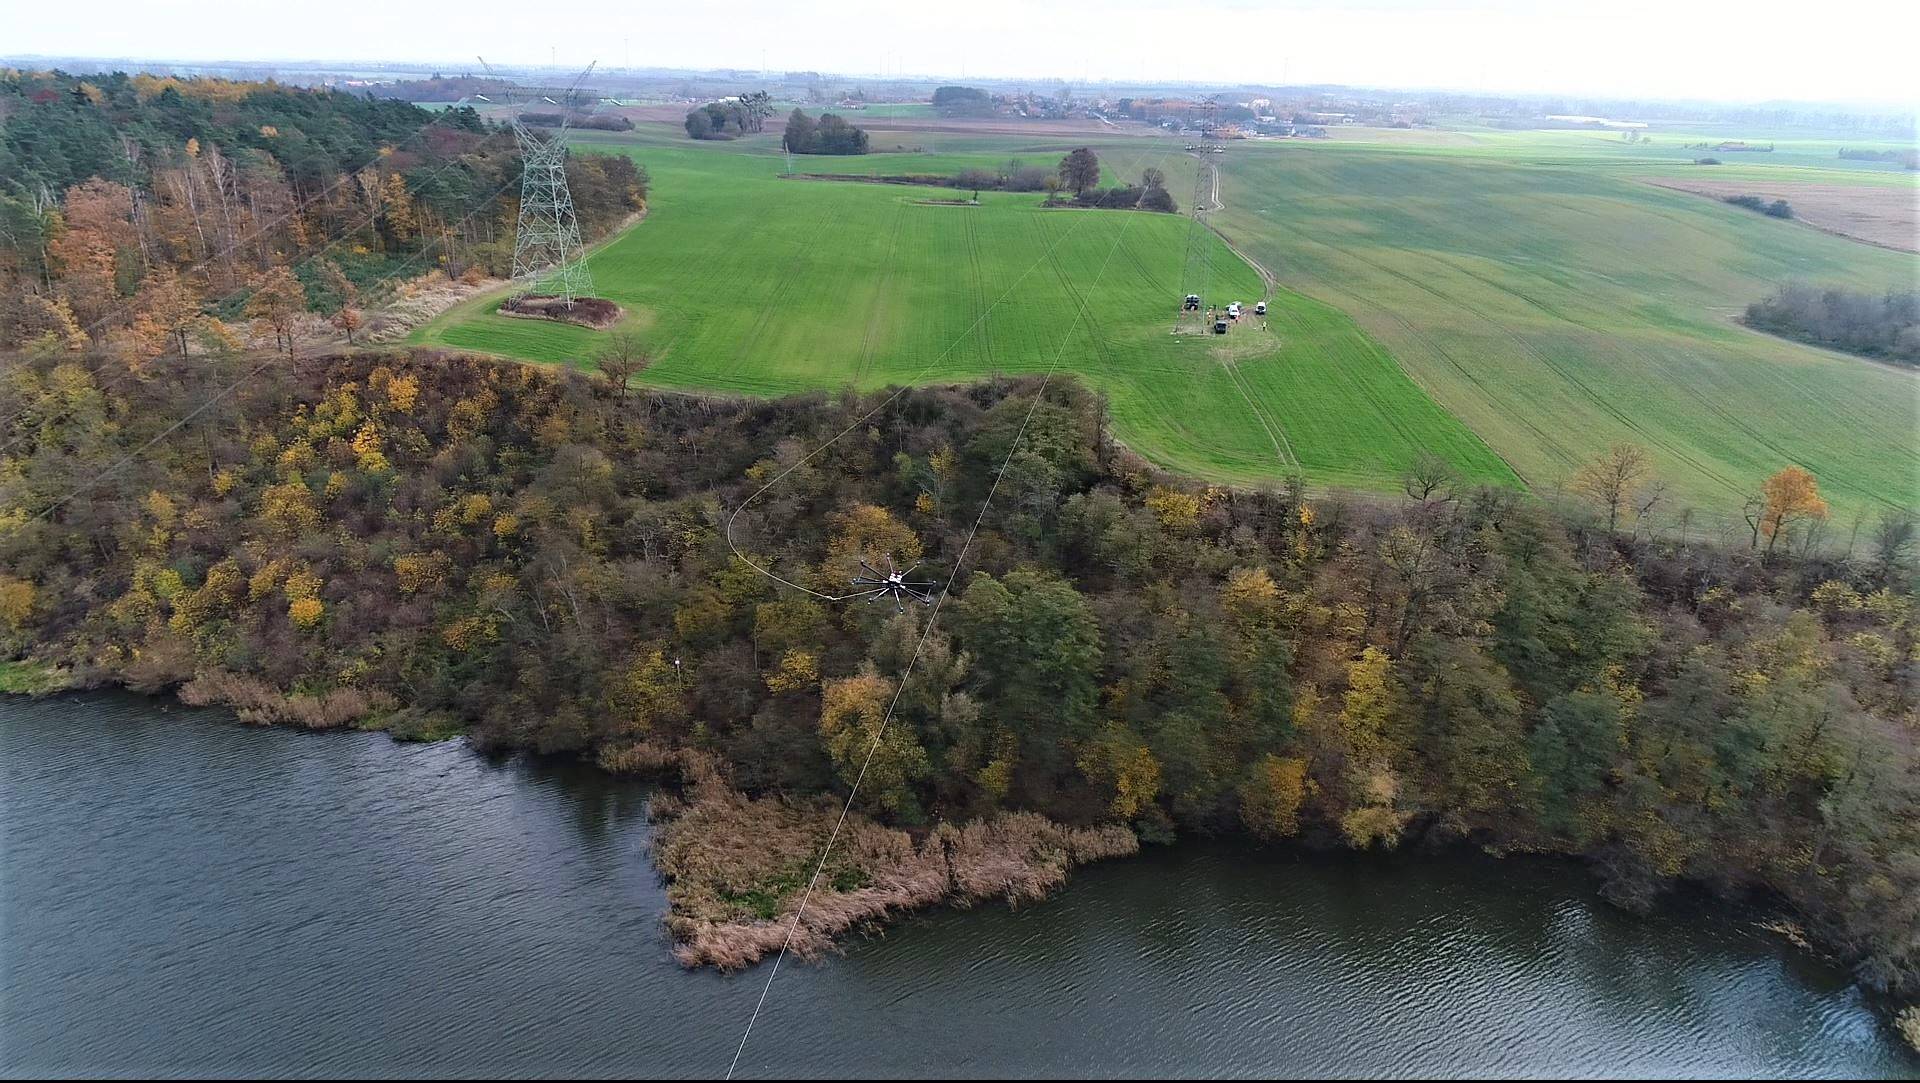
<point>735,866</point>
<point>739,869</point>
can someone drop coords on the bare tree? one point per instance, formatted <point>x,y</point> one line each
<point>620,362</point>
<point>1649,499</point>
<point>1611,480</point>
<point>1429,475</point>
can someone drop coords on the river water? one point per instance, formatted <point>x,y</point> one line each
<point>183,894</point>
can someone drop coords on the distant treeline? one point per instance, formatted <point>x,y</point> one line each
<point>830,134</point>
<point>1908,159</point>
<point>599,124</point>
<point>1078,172</point>
<point>1778,208</point>
<point>1885,326</point>
<point>439,88</point>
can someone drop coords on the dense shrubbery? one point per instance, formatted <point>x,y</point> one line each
<point>1886,326</point>
<point>538,557</point>
<point>604,124</point>
<point>1127,197</point>
<point>1778,208</point>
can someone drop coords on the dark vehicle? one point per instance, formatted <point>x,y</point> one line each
<point>1219,327</point>
<point>1193,302</point>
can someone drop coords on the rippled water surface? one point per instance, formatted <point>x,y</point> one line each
<point>181,894</point>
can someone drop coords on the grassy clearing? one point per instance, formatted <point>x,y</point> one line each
<point>743,282</point>
<point>26,678</point>
<point>1558,304</point>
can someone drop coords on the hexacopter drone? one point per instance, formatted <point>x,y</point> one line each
<point>893,584</point>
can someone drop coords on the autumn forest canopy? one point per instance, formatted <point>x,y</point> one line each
<point>136,211</point>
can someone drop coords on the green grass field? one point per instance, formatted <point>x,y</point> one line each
<point>743,282</point>
<point>1515,301</point>
<point>1558,304</point>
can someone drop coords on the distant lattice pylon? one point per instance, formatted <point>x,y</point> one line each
<point>547,253</point>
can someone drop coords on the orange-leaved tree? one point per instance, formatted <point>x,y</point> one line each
<point>1786,499</point>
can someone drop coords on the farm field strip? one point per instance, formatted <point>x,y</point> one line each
<point>1557,310</point>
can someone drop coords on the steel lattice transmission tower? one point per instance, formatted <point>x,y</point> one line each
<point>546,241</point>
<point>547,252</point>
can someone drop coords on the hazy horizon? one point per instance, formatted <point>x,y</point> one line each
<point>1626,49</point>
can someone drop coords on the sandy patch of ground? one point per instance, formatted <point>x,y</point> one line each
<point>418,301</point>
<point>1885,215</point>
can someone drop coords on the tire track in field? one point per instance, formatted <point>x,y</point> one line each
<point>1146,275</point>
<point>1084,310</point>
<point>765,318</point>
<point>1599,401</point>
<point>877,308</point>
<point>1360,303</point>
<point>1733,421</point>
<point>980,293</point>
<point>1276,432</point>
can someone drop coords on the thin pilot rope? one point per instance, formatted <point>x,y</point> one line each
<point>900,689</point>
<point>883,404</point>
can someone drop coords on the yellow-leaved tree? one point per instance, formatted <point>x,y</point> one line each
<point>870,533</point>
<point>859,739</point>
<point>1119,761</point>
<point>1271,798</point>
<point>1372,703</point>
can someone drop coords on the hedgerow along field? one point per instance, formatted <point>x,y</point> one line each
<point>1554,301</point>
<point>743,282</point>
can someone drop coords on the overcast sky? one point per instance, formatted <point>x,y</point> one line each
<point>1851,50</point>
